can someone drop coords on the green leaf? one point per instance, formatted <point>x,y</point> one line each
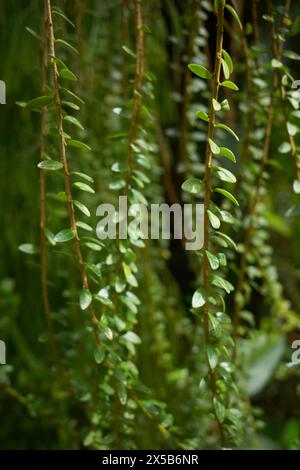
<point>67,45</point>
<point>227,194</point>
<point>39,102</point>
<point>129,51</point>
<point>59,62</point>
<point>218,281</point>
<point>213,260</point>
<point>82,208</point>
<point>291,128</point>
<point>268,18</point>
<point>276,64</point>
<point>28,248</point>
<point>213,321</point>
<point>235,15</point>
<point>228,60</point>
<point>78,144</point>
<point>50,165</point>
<point>118,136</point>
<point>296,186</point>
<point>291,55</point>
<point>64,236</point>
<point>212,356</point>
<point>116,185</point>
<point>122,393</point>
<point>93,246</point>
<point>216,105</point>
<point>225,69</point>
<point>198,299</point>
<point>228,129</point>
<point>74,121</point>
<point>73,95</point>
<point>130,278</point>
<point>202,115</point>
<point>84,226</point>
<point>132,337</point>
<point>119,167</point>
<point>83,187</point>
<point>103,299</point>
<point>192,185</point>
<point>99,355</point>
<point>68,75</point>
<point>200,71</point>
<point>94,269</point>
<point>61,196</point>
<point>57,11</point>
<point>214,147</point>
<point>229,84</point>
<point>33,33</point>
<point>83,176</point>
<point>214,220</point>
<point>85,299</point>
<point>220,409</point>
<point>226,240</point>
<point>225,175</point>
<point>225,105</point>
<point>285,147</point>
<point>227,153</point>
<point>222,259</point>
<point>71,105</point>
<point>296,26</point>
<point>227,217</point>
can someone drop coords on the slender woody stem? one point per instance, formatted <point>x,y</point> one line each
<point>42,191</point>
<point>138,80</point>
<point>64,161</point>
<point>207,183</point>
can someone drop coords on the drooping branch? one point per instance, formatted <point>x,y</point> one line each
<point>42,197</point>
<point>138,80</point>
<point>64,161</point>
<point>277,49</point>
<point>207,184</point>
<point>253,204</point>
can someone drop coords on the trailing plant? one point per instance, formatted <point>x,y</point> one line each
<point>134,343</point>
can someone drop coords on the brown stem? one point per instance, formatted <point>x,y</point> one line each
<point>137,102</point>
<point>256,32</point>
<point>207,184</point>
<point>124,38</point>
<point>277,49</point>
<point>138,80</point>
<point>186,80</point>
<point>42,191</point>
<point>253,205</point>
<point>64,161</point>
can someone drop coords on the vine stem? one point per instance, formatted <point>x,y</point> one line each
<point>138,80</point>
<point>136,106</point>
<point>253,205</point>
<point>207,186</point>
<point>277,52</point>
<point>124,38</point>
<point>42,198</point>
<point>64,161</point>
<point>193,24</point>
<point>251,211</point>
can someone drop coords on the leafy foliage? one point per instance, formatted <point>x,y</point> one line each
<point>131,343</point>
